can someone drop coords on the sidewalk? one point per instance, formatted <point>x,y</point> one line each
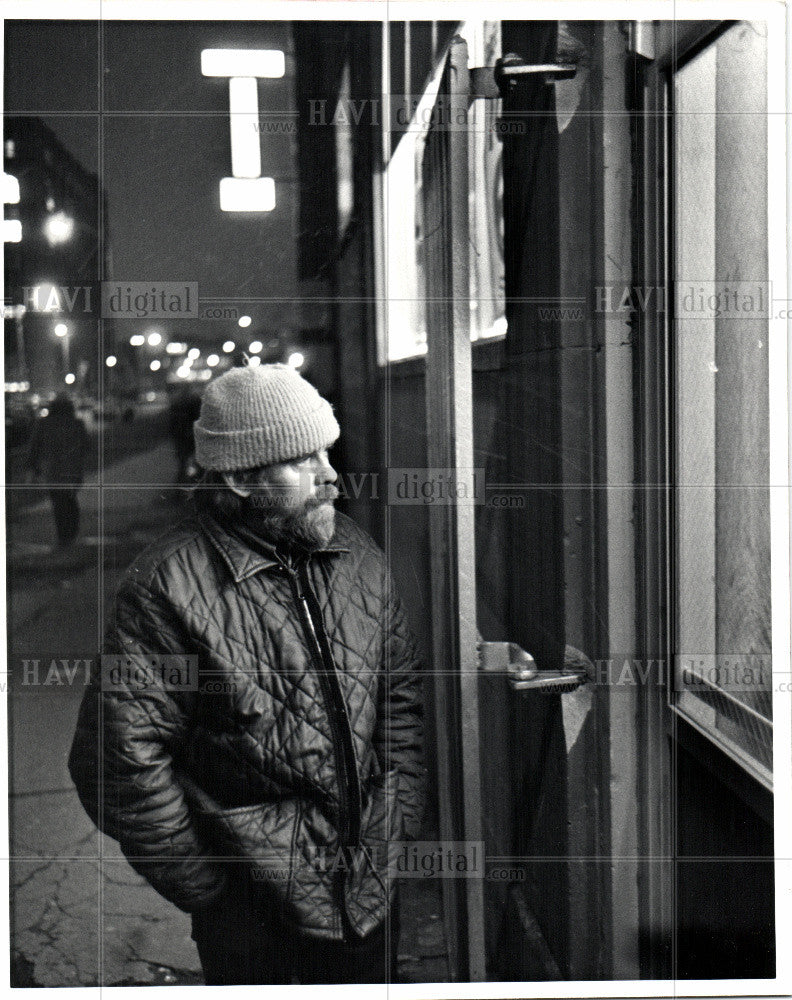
<point>79,907</point>
<point>81,916</point>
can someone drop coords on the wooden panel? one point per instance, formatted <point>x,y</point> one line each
<point>725,880</point>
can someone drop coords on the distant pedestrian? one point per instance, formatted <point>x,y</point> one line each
<point>185,408</point>
<point>58,448</point>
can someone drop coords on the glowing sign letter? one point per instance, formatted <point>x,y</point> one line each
<point>247,190</point>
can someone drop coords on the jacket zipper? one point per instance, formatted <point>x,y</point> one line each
<point>349,780</point>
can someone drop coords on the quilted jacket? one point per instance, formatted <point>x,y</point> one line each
<point>296,757</point>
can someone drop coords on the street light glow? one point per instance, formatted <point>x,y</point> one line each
<point>296,360</point>
<point>69,379</point>
<point>183,372</point>
<point>244,321</point>
<point>193,353</point>
<point>174,347</point>
<point>61,329</point>
<point>111,361</point>
<point>154,339</point>
<point>254,362</point>
<point>155,365</point>
<point>229,346</point>
<point>212,360</point>
<point>58,228</point>
<point>45,298</point>
<point>255,347</point>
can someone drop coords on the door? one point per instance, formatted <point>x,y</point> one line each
<point>518,771</point>
<point>611,449</point>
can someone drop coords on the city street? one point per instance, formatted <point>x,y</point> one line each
<point>80,915</point>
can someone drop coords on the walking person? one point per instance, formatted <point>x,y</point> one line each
<point>262,795</point>
<point>58,448</point>
<point>184,409</point>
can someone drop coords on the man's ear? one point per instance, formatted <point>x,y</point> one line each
<point>241,491</point>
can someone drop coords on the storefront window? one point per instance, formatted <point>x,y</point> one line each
<point>404,315</point>
<point>721,339</point>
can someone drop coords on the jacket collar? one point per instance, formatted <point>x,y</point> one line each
<point>241,558</point>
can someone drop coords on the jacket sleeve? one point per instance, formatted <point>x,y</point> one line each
<point>398,741</point>
<point>129,728</point>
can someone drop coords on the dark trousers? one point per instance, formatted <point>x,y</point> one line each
<point>66,512</point>
<point>239,948</point>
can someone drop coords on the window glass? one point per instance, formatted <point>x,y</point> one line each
<point>404,314</point>
<point>722,299</point>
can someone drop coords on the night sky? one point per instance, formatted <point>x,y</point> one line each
<point>164,148</point>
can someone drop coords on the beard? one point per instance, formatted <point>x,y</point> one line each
<point>309,526</point>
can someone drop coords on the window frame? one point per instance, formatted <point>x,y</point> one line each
<point>663,731</point>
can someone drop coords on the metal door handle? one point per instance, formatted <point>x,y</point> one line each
<point>523,674</point>
<point>495,81</point>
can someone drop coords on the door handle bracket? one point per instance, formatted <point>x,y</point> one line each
<point>523,674</point>
<point>491,82</point>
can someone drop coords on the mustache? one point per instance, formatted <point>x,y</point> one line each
<point>325,494</point>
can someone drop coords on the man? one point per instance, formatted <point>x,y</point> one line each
<point>184,410</point>
<point>57,453</point>
<point>263,798</point>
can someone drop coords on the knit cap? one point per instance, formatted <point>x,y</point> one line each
<point>260,415</point>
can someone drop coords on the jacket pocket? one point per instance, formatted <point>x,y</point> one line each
<point>281,847</point>
<point>383,820</point>
<point>370,888</point>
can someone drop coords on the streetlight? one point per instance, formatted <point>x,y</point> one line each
<point>212,360</point>
<point>69,379</point>
<point>244,321</point>
<point>255,347</point>
<point>111,361</point>
<point>137,340</point>
<point>229,346</point>
<point>62,331</point>
<point>155,365</point>
<point>58,228</point>
<point>154,339</point>
<point>296,360</point>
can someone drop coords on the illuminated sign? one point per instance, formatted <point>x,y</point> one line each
<point>12,228</point>
<point>247,190</point>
